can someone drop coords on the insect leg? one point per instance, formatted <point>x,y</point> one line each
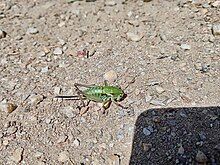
<point>116,103</point>
<point>77,85</point>
<point>105,83</point>
<point>79,92</point>
<point>105,106</point>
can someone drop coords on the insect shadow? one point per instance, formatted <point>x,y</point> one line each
<point>168,135</point>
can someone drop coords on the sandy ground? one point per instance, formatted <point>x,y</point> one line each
<point>171,48</point>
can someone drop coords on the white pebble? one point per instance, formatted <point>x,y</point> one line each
<point>63,156</point>
<point>216,4</point>
<point>148,98</point>
<point>32,30</point>
<point>110,76</point>
<point>68,112</point>
<point>57,51</point>
<point>17,155</point>
<point>45,69</point>
<point>110,3</point>
<point>216,29</point>
<point>76,142</point>
<point>38,154</point>
<point>35,99</point>
<point>159,89</point>
<point>185,46</point>
<point>57,90</point>
<point>134,37</point>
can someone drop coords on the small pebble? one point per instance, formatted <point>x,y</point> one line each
<point>41,163</point>
<point>57,90</point>
<point>17,155</point>
<point>130,13</point>
<point>181,150</point>
<point>157,102</point>
<point>2,34</point>
<point>76,143</point>
<point>202,136</point>
<point>110,76</point>
<point>11,130</point>
<point>61,24</point>
<point>201,157</point>
<point>63,156</point>
<point>159,89</point>
<point>134,37</point>
<point>58,51</point>
<point>41,54</point>
<point>45,69</point>
<point>146,131</point>
<point>5,142</point>
<point>216,29</point>
<point>217,147</point>
<point>152,83</point>
<point>38,154</point>
<point>216,4</point>
<point>185,46</point>
<point>7,107</point>
<point>69,112</point>
<point>148,98</point>
<point>114,160</point>
<point>35,99</point>
<point>62,139</point>
<point>202,67</point>
<point>110,3</point>
<point>32,30</point>
<point>146,146</point>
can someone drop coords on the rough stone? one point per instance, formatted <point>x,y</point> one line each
<point>110,76</point>
<point>134,37</point>
<point>201,157</point>
<point>58,51</point>
<point>185,46</point>
<point>69,112</point>
<point>216,29</point>
<point>32,30</point>
<point>7,107</point>
<point>63,156</point>
<point>2,34</point>
<point>17,155</point>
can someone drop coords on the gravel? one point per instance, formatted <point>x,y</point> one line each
<point>47,46</point>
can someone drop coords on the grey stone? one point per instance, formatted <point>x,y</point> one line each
<point>146,131</point>
<point>185,46</point>
<point>216,29</point>
<point>32,30</point>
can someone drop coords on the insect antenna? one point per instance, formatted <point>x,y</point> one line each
<point>68,97</point>
<point>129,83</point>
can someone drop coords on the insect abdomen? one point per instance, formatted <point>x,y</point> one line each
<point>96,94</point>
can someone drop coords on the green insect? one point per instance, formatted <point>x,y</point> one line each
<point>103,94</point>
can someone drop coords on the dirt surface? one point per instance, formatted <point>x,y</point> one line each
<point>171,48</point>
